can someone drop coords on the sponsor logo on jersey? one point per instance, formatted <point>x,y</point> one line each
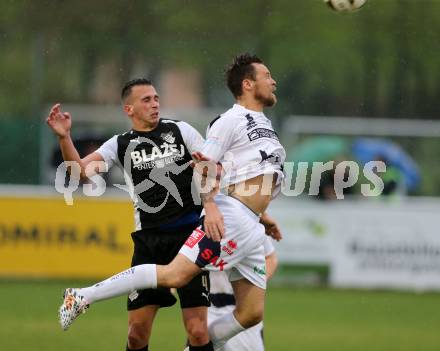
<point>160,156</point>
<point>272,158</point>
<point>194,238</point>
<point>216,261</point>
<point>133,296</point>
<point>251,123</point>
<point>262,133</point>
<point>137,141</point>
<point>260,270</point>
<point>230,246</point>
<point>205,295</point>
<point>168,137</point>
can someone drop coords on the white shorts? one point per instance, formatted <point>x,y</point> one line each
<point>241,250</point>
<point>248,340</point>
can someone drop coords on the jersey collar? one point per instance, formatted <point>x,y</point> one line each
<point>243,109</point>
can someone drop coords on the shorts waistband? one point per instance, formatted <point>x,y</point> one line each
<point>222,300</point>
<point>189,218</point>
<point>258,215</point>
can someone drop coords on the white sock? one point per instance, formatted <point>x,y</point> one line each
<point>224,328</point>
<point>135,278</point>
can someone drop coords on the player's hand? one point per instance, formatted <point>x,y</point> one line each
<point>205,166</point>
<point>199,157</point>
<point>213,223</point>
<point>59,122</point>
<point>271,227</point>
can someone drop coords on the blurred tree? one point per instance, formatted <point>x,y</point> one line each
<point>379,61</point>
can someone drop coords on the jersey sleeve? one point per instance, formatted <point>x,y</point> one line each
<point>268,246</point>
<point>191,137</point>
<point>109,151</point>
<point>219,138</point>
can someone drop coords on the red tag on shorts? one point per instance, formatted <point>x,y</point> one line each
<point>195,237</point>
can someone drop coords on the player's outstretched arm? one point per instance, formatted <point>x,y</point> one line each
<point>61,123</point>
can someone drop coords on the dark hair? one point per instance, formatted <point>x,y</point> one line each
<point>241,68</point>
<point>126,90</point>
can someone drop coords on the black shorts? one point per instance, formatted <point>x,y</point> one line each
<point>158,246</point>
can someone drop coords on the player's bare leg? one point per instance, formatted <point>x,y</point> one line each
<point>249,302</point>
<point>177,273</point>
<point>249,312</point>
<point>195,321</point>
<point>140,323</point>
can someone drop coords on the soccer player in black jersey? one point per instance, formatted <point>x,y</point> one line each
<point>154,156</point>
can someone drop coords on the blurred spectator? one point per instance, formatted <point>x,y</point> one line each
<point>393,180</point>
<point>327,183</point>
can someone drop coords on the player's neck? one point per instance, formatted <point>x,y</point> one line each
<point>142,126</point>
<point>250,103</point>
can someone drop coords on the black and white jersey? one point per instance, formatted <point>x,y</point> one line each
<point>156,169</point>
<point>244,142</point>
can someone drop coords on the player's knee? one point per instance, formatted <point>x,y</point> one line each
<point>176,278</point>
<point>137,336</point>
<point>250,317</point>
<point>197,332</point>
<point>253,319</point>
<point>176,281</point>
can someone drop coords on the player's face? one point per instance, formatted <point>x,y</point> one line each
<point>143,104</point>
<point>264,86</point>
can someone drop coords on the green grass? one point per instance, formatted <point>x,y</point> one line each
<point>303,319</point>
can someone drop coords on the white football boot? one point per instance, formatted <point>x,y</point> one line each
<point>74,304</point>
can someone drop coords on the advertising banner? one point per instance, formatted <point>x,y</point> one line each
<point>305,226</point>
<point>387,247</point>
<point>43,237</point>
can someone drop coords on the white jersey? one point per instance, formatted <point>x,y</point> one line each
<point>244,142</point>
<point>246,145</point>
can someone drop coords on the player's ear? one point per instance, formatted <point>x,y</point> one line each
<point>128,109</point>
<point>247,84</point>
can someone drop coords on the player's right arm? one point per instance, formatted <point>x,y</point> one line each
<point>61,123</point>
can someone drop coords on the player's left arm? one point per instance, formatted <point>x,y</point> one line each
<point>271,226</point>
<point>271,257</point>
<point>271,264</point>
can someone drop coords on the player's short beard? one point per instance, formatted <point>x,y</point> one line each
<point>267,101</point>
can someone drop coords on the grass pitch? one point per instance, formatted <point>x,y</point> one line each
<point>303,319</point>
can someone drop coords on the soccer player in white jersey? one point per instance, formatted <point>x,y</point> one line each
<point>223,302</point>
<point>244,143</point>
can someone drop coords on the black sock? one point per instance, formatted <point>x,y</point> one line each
<point>142,349</point>
<point>207,347</point>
